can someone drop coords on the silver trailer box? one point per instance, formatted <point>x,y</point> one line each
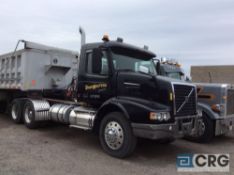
<point>37,67</point>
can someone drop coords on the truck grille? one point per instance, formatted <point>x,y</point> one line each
<point>230,102</point>
<point>185,100</point>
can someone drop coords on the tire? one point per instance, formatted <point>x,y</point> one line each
<point>29,116</point>
<point>123,143</point>
<point>16,111</point>
<point>206,129</point>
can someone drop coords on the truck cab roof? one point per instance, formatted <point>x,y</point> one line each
<point>116,44</point>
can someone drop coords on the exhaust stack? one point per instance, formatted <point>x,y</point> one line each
<point>83,37</point>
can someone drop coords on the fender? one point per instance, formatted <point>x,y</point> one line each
<point>135,110</point>
<point>207,109</point>
<point>112,104</point>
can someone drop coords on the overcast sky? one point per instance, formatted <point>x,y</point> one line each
<point>195,32</point>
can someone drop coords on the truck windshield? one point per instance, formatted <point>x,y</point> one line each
<point>133,62</point>
<point>176,75</point>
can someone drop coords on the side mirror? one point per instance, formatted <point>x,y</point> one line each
<point>158,68</point>
<point>187,79</point>
<point>97,61</point>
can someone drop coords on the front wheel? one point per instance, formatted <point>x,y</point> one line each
<point>116,135</point>
<point>205,131</point>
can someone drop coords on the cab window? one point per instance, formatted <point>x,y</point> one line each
<point>104,64</point>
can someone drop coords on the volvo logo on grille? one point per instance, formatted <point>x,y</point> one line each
<point>186,99</point>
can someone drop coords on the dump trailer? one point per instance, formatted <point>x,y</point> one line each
<point>216,102</point>
<point>105,89</point>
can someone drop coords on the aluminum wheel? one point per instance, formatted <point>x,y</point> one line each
<point>114,136</point>
<point>202,128</point>
<point>28,114</point>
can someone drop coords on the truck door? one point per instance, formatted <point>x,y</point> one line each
<point>94,86</point>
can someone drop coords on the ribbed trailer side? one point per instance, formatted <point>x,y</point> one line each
<point>10,70</point>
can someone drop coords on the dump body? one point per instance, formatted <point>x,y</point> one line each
<point>37,67</point>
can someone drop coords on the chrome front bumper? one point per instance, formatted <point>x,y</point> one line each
<point>181,127</point>
<point>224,125</point>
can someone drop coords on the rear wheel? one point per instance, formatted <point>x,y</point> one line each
<point>29,116</point>
<point>16,111</point>
<point>116,135</point>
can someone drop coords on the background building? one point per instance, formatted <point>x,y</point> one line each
<point>213,74</point>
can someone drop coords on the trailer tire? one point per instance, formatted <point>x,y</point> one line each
<point>116,135</point>
<point>16,111</point>
<point>29,116</point>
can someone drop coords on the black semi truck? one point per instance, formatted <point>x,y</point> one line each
<point>105,89</point>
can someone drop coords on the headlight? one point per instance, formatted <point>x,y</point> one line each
<point>217,107</point>
<point>166,116</point>
<point>159,116</point>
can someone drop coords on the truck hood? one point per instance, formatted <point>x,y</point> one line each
<point>172,80</point>
<point>217,85</point>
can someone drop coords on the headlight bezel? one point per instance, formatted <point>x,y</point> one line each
<point>159,116</point>
<point>219,108</point>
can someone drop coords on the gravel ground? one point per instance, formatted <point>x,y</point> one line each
<point>60,150</point>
